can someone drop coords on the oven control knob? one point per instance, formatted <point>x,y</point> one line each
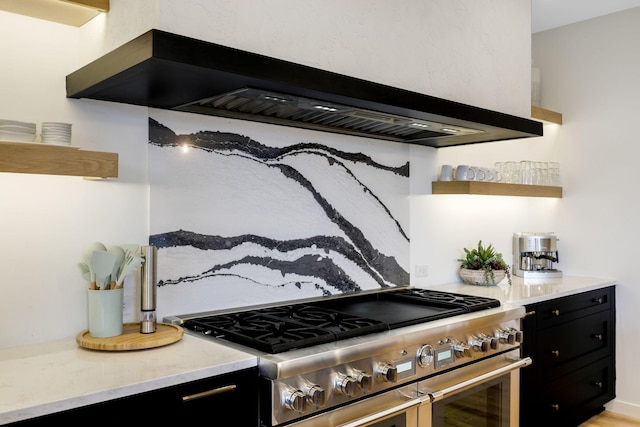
<point>388,372</point>
<point>493,341</point>
<point>518,336</point>
<point>346,384</point>
<point>478,343</point>
<point>506,336</point>
<point>363,380</point>
<point>461,349</point>
<point>425,355</point>
<point>316,396</point>
<point>295,400</point>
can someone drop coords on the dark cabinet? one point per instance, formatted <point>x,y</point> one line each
<point>572,343</point>
<point>225,400</point>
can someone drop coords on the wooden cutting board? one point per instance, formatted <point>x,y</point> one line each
<point>132,339</point>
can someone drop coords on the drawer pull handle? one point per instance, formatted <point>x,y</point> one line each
<point>208,393</point>
<point>556,353</point>
<point>598,384</point>
<point>555,312</point>
<point>598,336</point>
<point>555,407</point>
<point>599,300</point>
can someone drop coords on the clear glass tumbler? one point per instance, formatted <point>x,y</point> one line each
<point>526,172</point>
<point>554,174</point>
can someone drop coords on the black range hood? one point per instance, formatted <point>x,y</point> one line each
<point>174,72</point>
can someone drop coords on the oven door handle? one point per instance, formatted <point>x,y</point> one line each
<point>379,415</point>
<point>440,394</point>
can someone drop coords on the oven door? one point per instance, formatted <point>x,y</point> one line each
<point>396,408</point>
<point>483,394</point>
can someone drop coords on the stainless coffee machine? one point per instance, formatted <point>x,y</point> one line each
<point>534,255</point>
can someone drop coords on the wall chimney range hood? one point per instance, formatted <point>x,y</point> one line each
<point>174,72</point>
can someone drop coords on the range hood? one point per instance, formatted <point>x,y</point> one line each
<point>174,72</point>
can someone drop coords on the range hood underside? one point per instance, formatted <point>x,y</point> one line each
<point>168,71</point>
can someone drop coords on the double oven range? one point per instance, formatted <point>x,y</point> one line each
<point>402,357</point>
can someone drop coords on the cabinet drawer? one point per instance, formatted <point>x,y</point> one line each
<point>576,396</point>
<point>567,308</point>
<point>574,339</point>
<point>216,399</point>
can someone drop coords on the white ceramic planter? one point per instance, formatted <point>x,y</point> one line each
<point>482,278</point>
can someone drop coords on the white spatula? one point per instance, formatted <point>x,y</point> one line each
<point>87,255</point>
<point>103,263</point>
<point>117,265</point>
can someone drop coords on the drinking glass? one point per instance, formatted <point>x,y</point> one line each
<point>516,173</point>
<point>554,173</point>
<point>526,173</point>
<point>540,174</point>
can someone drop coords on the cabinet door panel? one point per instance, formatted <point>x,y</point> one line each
<point>586,387</point>
<point>570,340</point>
<point>215,400</point>
<point>556,311</point>
<point>572,343</point>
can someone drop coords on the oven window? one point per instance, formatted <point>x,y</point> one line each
<point>485,405</point>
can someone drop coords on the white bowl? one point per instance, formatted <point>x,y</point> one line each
<point>17,136</point>
<point>56,125</point>
<point>56,132</point>
<point>54,137</point>
<point>17,123</point>
<point>17,129</point>
<point>57,143</point>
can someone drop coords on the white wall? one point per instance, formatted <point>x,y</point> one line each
<point>477,52</point>
<point>468,50</point>
<point>590,73</point>
<point>442,225</point>
<point>47,220</point>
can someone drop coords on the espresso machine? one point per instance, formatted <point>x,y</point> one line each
<point>534,255</point>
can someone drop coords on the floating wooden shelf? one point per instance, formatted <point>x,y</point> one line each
<point>495,189</point>
<point>21,157</point>
<point>68,12</point>
<point>545,115</point>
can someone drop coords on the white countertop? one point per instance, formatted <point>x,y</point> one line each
<point>47,378</point>
<point>42,379</point>
<point>529,291</point>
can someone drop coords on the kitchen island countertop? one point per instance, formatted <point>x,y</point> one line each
<point>46,378</point>
<point>529,291</point>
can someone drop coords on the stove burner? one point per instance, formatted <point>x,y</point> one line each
<point>279,329</point>
<point>343,325</point>
<point>291,326</point>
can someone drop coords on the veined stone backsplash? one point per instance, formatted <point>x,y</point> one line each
<point>246,214</point>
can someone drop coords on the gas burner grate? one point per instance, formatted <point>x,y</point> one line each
<point>293,326</point>
<point>284,328</point>
<point>343,325</point>
<point>444,299</point>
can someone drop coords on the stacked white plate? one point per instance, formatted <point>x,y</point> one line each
<point>12,130</point>
<point>56,133</point>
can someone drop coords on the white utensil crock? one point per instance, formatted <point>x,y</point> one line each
<point>105,312</point>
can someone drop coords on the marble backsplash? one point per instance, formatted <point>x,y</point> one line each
<point>246,214</point>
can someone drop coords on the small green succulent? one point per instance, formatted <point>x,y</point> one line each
<point>485,258</point>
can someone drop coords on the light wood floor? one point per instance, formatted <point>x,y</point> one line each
<point>611,419</point>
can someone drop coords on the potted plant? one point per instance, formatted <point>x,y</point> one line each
<point>483,266</point>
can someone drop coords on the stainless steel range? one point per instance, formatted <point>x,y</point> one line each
<point>401,357</point>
